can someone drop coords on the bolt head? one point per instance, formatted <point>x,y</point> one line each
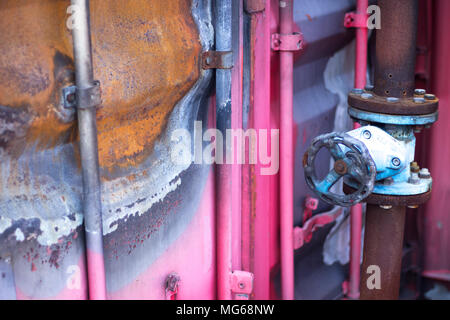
<point>357,91</point>
<point>369,88</point>
<point>430,97</point>
<point>419,100</point>
<point>340,166</point>
<point>367,96</point>
<point>367,134</point>
<point>424,173</point>
<point>414,167</point>
<point>396,161</point>
<point>420,92</point>
<point>392,99</point>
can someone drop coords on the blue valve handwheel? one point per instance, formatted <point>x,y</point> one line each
<point>355,163</point>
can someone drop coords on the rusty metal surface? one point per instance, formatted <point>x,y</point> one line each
<point>383,244</point>
<point>395,56</point>
<point>217,60</point>
<point>139,71</point>
<point>381,199</point>
<point>254,6</point>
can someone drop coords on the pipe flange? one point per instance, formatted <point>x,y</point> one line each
<point>402,120</point>
<point>390,200</point>
<point>417,105</point>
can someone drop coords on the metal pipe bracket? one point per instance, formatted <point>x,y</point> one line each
<point>287,42</point>
<point>90,97</point>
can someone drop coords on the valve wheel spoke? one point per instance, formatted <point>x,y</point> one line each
<point>337,152</point>
<point>329,181</point>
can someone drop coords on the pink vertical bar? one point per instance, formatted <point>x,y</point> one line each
<point>286,156</point>
<point>356,211</point>
<point>361,48</point>
<point>261,114</point>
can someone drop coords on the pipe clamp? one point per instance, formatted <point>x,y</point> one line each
<point>287,42</point>
<point>90,97</point>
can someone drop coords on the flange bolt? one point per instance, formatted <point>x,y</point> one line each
<point>424,173</point>
<point>419,92</point>
<point>357,91</point>
<point>430,97</point>
<point>414,167</point>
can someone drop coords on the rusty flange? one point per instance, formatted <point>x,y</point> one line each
<point>417,105</point>
<point>382,199</point>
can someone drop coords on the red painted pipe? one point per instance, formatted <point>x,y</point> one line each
<point>356,211</point>
<point>287,159</point>
<point>361,47</point>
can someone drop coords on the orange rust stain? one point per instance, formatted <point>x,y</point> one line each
<point>145,54</point>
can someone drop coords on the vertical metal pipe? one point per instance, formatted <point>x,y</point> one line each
<point>356,211</point>
<point>395,57</point>
<point>223,28</point>
<point>361,47</point>
<point>287,158</point>
<point>89,153</point>
<point>383,245</point>
<point>394,76</point>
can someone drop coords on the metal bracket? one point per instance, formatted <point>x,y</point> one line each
<point>287,42</point>
<point>217,60</point>
<point>355,20</point>
<point>304,234</point>
<point>241,284</point>
<point>89,97</point>
<point>171,286</point>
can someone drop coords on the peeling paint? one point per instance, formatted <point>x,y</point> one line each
<point>5,223</point>
<point>52,230</point>
<point>19,235</point>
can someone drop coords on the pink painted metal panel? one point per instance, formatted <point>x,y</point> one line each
<point>436,214</point>
<point>191,256</point>
<point>75,288</point>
